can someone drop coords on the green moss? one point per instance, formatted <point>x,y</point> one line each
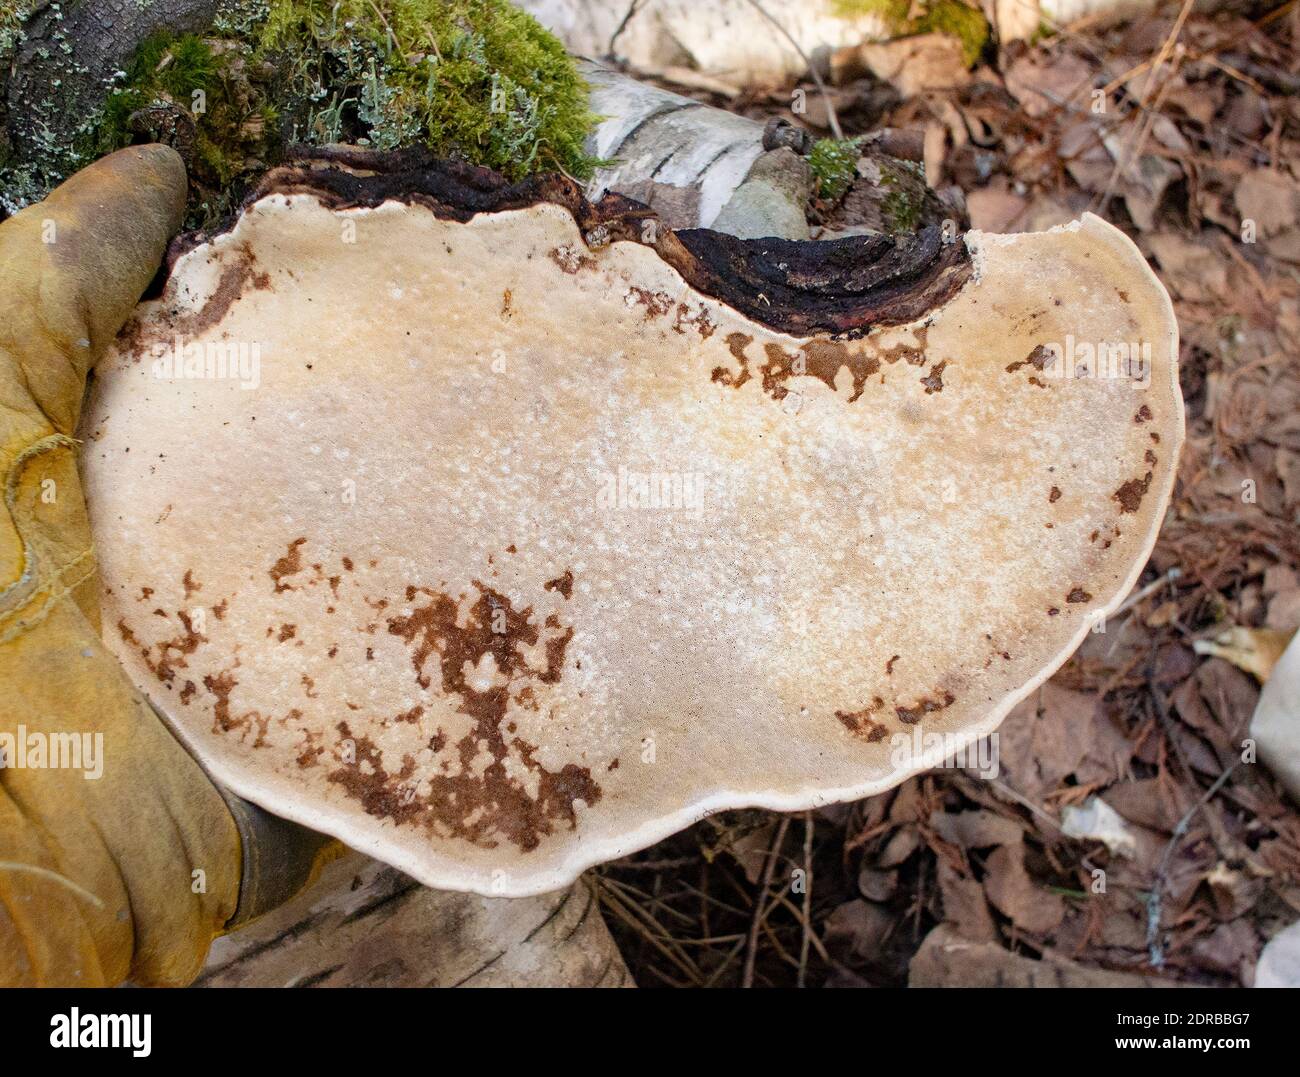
<point>476,79</point>
<point>955,18</point>
<point>893,12</point>
<point>1045,30</point>
<point>196,94</point>
<point>902,206</point>
<point>834,164</point>
<point>960,20</point>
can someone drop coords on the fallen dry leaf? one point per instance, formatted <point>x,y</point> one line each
<point>857,928</point>
<point>913,65</point>
<point>947,960</point>
<point>1056,733</point>
<point>1044,83</point>
<point>964,905</point>
<point>1255,650</point>
<point>994,209</point>
<point>1014,894</point>
<point>977,829</point>
<point>1270,199</point>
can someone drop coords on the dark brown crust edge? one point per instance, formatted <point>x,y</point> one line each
<point>844,287</point>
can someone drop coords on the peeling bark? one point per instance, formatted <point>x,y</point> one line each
<point>730,39</point>
<point>735,41</point>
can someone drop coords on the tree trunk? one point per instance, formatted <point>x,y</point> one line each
<point>60,73</point>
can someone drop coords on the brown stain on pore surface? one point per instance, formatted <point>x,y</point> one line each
<point>563,584</point>
<point>288,565</point>
<point>239,275</point>
<point>1130,495</point>
<point>933,381</point>
<point>479,804</point>
<point>861,724</point>
<point>1040,358</point>
<point>168,655</point>
<point>823,360</point>
<point>913,714</point>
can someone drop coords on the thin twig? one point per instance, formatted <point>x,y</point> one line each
<point>807,899</point>
<point>1134,148</point>
<point>1020,798</point>
<point>1154,948</point>
<point>785,903</point>
<point>710,899</point>
<point>751,950</point>
<point>392,38</point>
<point>831,118</point>
<point>1232,72</point>
<point>638,919</point>
<point>650,900</point>
<point>1150,589</point>
<point>726,964</point>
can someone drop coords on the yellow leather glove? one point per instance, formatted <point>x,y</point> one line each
<point>133,872</point>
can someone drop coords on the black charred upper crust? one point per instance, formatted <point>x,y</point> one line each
<point>844,287</point>
<point>839,286</point>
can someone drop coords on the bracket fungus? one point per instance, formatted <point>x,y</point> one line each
<point>499,533</point>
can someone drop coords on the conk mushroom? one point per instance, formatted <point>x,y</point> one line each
<point>499,534</point>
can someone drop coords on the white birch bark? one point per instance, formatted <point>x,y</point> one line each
<point>729,39</point>
<point>735,41</point>
<point>656,137</point>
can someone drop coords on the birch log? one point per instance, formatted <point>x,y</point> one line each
<point>699,167</point>
<point>738,40</point>
<point>728,39</point>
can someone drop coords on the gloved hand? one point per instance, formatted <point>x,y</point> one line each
<point>131,873</point>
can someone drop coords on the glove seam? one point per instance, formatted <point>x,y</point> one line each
<point>51,600</point>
